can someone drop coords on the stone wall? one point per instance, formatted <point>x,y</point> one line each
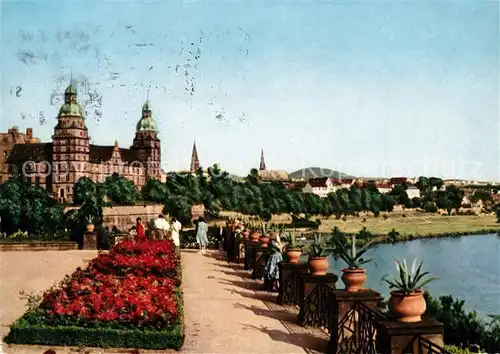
<point>124,216</point>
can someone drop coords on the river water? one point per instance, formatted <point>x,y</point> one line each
<point>468,267</point>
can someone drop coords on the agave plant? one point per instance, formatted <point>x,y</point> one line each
<point>409,280</point>
<point>290,238</point>
<point>263,228</point>
<point>352,257</point>
<point>90,219</point>
<point>317,248</point>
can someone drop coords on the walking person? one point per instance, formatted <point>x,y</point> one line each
<point>221,238</point>
<point>175,230</point>
<point>271,269</point>
<point>201,234</point>
<point>139,227</point>
<point>161,228</point>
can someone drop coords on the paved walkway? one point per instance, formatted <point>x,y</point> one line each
<point>226,313</point>
<point>224,310</point>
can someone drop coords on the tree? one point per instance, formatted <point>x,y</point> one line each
<point>120,190</point>
<point>29,208</point>
<point>154,191</point>
<point>83,189</point>
<point>455,196</point>
<point>401,196</point>
<point>443,201</point>
<point>422,184</point>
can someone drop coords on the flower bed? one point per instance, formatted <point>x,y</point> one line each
<point>129,298</point>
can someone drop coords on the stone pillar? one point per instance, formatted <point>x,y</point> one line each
<point>249,249</point>
<point>90,240</point>
<point>347,311</point>
<point>289,274</point>
<point>313,299</point>
<point>399,337</point>
<point>259,259</point>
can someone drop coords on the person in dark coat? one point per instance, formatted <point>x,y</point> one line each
<point>231,250</point>
<point>226,235</point>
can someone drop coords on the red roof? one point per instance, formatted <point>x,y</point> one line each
<point>318,182</point>
<point>398,180</point>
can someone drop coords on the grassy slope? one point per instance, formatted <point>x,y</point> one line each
<point>413,223</point>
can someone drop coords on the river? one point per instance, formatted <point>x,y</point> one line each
<point>468,267</point>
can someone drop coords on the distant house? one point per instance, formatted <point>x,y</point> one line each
<point>398,180</point>
<point>273,176</point>
<point>297,185</point>
<point>345,182</point>
<point>383,187</point>
<point>413,192</point>
<point>320,186</point>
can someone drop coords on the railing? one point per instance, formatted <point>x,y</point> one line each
<point>316,309</point>
<point>356,332</point>
<point>420,345</point>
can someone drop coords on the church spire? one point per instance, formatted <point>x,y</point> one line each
<point>262,162</point>
<point>195,162</point>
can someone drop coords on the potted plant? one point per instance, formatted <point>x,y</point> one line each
<point>245,234</point>
<point>353,276</point>
<point>90,225</point>
<point>254,233</point>
<point>264,238</point>
<point>292,250</point>
<point>318,261</point>
<point>407,301</point>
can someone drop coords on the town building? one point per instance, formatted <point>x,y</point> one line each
<point>7,142</point>
<point>195,161</point>
<point>57,165</point>
<point>268,176</point>
<point>321,186</point>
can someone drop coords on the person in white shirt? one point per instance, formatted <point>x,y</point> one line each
<point>175,232</point>
<point>161,228</point>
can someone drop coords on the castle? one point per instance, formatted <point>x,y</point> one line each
<point>56,166</point>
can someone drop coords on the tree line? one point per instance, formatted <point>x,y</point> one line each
<point>30,208</point>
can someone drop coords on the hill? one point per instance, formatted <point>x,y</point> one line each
<point>313,172</point>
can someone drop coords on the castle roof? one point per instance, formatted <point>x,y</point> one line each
<point>100,154</point>
<point>146,123</point>
<point>71,107</point>
<point>30,152</point>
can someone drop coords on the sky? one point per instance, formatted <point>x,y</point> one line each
<point>369,88</point>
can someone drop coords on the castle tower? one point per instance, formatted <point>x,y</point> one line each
<point>70,147</point>
<point>262,166</point>
<point>146,142</point>
<point>195,162</point>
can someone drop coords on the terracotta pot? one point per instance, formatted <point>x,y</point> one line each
<point>254,236</point>
<point>407,308</point>
<point>318,265</point>
<point>293,255</point>
<point>245,234</point>
<point>264,241</point>
<point>272,235</point>
<point>353,279</point>
<point>90,227</point>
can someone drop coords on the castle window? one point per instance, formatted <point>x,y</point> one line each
<point>37,181</point>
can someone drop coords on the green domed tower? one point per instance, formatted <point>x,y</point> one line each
<point>70,146</point>
<point>146,142</point>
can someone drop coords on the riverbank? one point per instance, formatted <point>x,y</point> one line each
<point>410,224</point>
